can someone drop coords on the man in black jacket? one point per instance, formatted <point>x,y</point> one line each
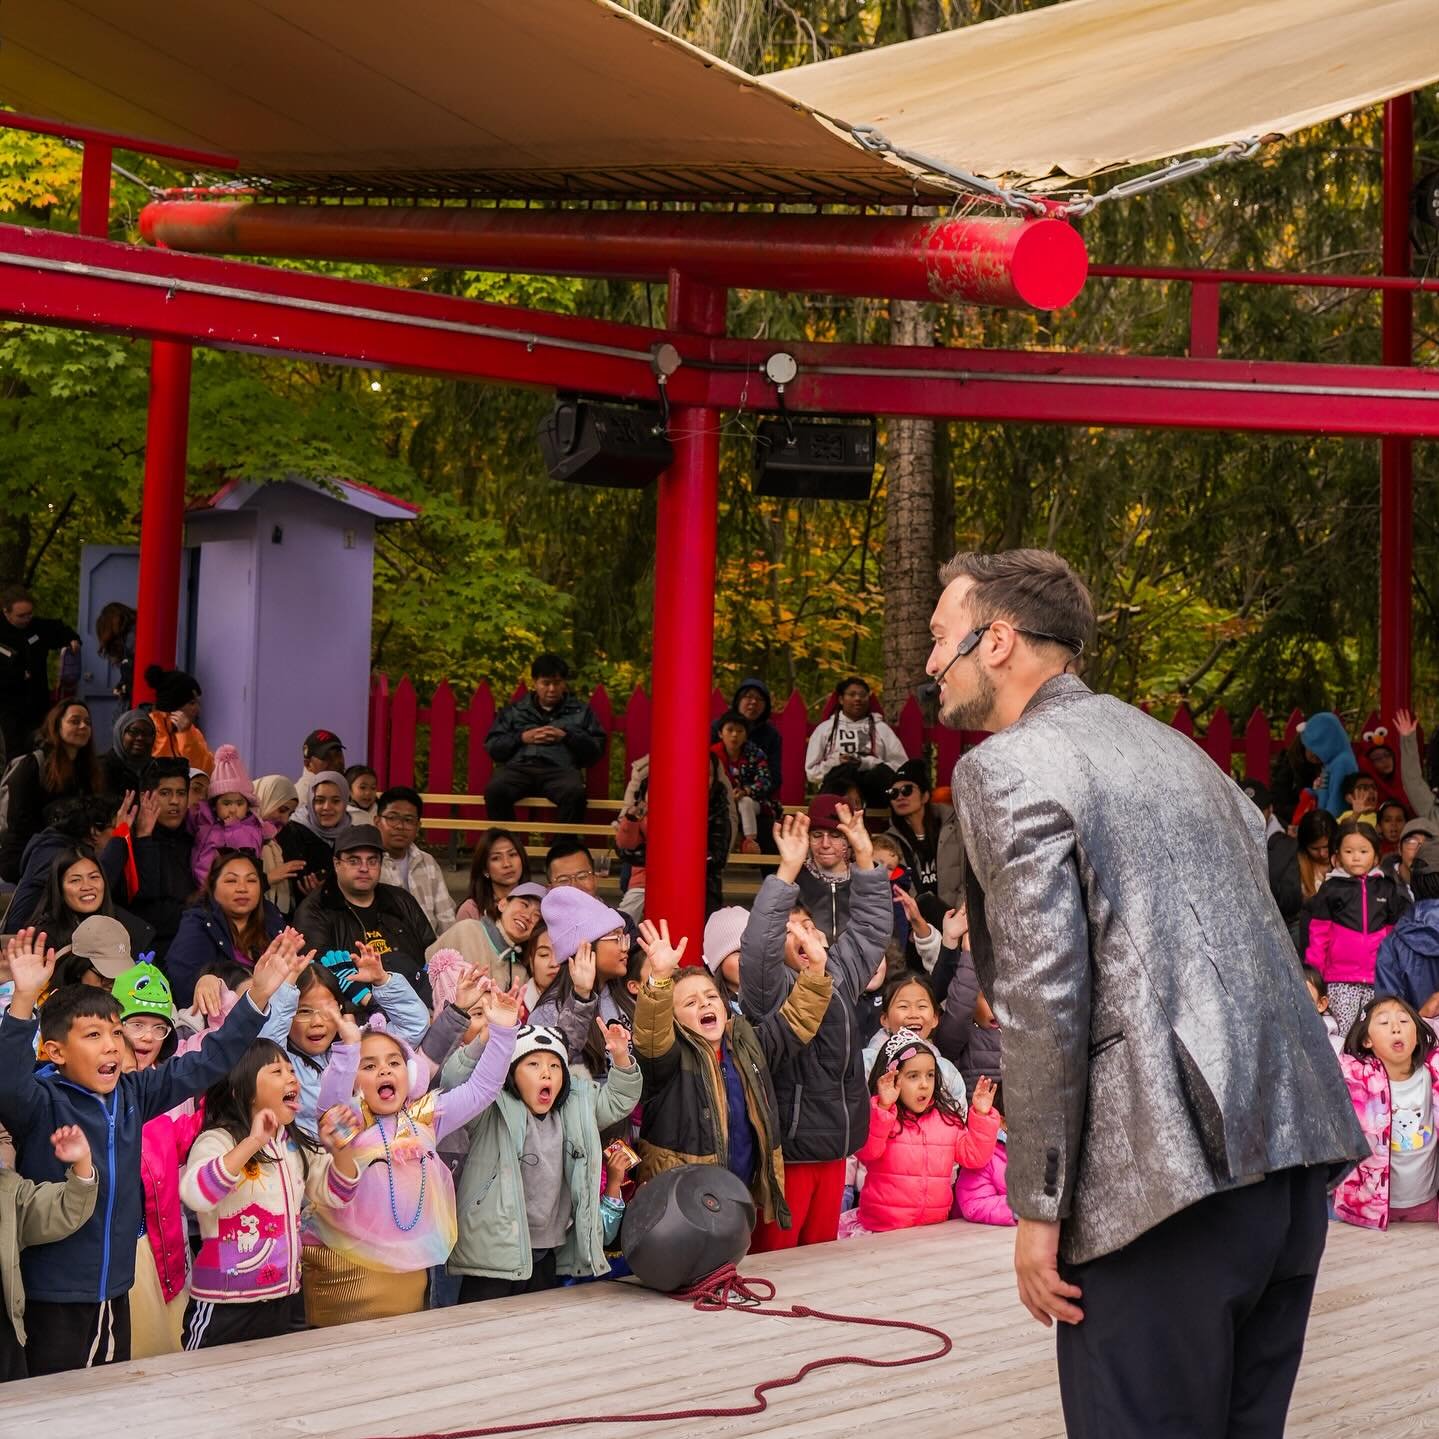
<point>26,645</point>
<point>163,850</point>
<point>542,745</point>
<point>353,907</point>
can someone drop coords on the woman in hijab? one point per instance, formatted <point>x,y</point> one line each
<point>296,861</point>
<point>326,811</point>
<point>132,742</point>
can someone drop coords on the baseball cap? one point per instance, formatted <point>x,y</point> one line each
<point>1426,827</point>
<point>361,836</point>
<point>528,890</point>
<point>1426,861</point>
<point>105,942</point>
<point>322,741</point>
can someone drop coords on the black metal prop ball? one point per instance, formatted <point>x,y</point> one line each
<point>684,1224</point>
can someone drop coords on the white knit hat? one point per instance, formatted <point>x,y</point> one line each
<point>723,931</point>
<point>536,1038</point>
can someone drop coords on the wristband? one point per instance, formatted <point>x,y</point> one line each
<point>655,985</point>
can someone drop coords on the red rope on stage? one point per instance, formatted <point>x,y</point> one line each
<point>727,1289</point>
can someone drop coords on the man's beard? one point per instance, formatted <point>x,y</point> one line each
<point>972,713</point>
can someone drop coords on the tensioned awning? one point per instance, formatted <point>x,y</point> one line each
<point>580,99</point>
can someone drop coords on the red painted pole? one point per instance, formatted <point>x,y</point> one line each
<point>162,522</point>
<point>95,190</point>
<point>684,643</point>
<point>1396,455</point>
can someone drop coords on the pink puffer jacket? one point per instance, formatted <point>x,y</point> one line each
<point>1363,1195</point>
<point>980,1195</point>
<point>164,1144</point>
<point>909,1165</point>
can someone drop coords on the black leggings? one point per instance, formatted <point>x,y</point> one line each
<point>474,1288</point>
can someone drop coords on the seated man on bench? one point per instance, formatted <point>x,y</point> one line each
<point>542,745</point>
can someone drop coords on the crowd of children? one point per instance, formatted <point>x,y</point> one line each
<point>302,1113</point>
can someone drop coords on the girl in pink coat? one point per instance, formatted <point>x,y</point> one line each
<point>982,1195</point>
<point>230,817</point>
<point>916,1138</point>
<point>1391,1065</point>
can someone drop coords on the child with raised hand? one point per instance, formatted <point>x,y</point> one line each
<point>916,1137</point>
<point>78,1312</point>
<point>376,1252</point>
<point>529,1198</point>
<point>1349,918</point>
<point>230,817</point>
<point>250,1173</point>
<point>821,1092</point>
<point>305,1018</point>
<point>708,1097</point>
<point>32,1214</point>
<point>1391,1064</point>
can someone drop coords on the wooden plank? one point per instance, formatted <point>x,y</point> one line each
<point>1368,1367</point>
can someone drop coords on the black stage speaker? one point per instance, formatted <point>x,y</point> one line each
<point>588,442</point>
<point>684,1224</point>
<point>812,459</point>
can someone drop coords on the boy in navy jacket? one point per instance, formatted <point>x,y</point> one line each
<point>78,1290</point>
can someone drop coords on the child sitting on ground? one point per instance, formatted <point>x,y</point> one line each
<point>375,1253</point>
<point>708,1097</point>
<point>32,1214</point>
<point>982,1195</point>
<point>530,1204</point>
<point>230,817</point>
<point>78,1312</point>
<point>1391,1065</point>
<point>916,1137</point>
<point>1319,993</point>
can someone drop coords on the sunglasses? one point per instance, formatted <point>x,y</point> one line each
<point>902,791</point>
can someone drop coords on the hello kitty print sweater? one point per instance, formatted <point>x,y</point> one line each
<point>250,1223</point>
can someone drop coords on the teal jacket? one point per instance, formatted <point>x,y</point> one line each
<point>494,1240</point>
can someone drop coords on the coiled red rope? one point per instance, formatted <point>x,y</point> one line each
<point>727,1288</point>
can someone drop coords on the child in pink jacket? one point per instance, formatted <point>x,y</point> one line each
<point>916,1138</point>
<point>230,817</point>
<point>981,1195</point>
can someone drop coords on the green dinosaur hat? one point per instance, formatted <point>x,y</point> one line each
<point>143,989</point>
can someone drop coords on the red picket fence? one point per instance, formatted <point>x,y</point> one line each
<point>439,747</point>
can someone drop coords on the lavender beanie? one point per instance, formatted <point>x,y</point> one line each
<point>574,917</point>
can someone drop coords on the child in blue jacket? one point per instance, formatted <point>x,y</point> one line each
<point>77,1309</point>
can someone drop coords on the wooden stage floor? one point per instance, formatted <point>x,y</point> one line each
<point>609,1348</point>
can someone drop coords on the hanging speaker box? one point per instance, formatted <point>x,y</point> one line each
<point>813,459</point>
<point>587,442</point>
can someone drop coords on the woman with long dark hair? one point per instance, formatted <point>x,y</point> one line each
<point>500,863</point>
<point>65,764</point>
<point>115,640</point>
<point>77,889</point>
<point>230,923</point>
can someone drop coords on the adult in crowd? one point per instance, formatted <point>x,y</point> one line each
<point>230,923</point>
<point>1378,760</point>
<point>1416,791</point>
<point>77,888</point>
<point>26,644</point>
<point>90,820</point>
<point>1399,866</point>
<point>1174,1111</point>
<point>542,745</point>
<point>177,718</point>
<point>824,881</point>
<point>397,817</point>
<point>132,742</point>
<point>1286,883</point>
<point>115,641</point>
<point>752,700</point>
<point>326,813</point>
<point>1292,772</point>
<point>854,734</point>
<point>65,764</point>
<point>929,840</point>
<point>497,944</point>
<point>1327,741</point>
<point>296,860</point>
<point>499,864</point>
<point>1408,960</point>
<point>569,861</point>
<point>163,847</point>
<point>323,752</point>
<point>353,907</point>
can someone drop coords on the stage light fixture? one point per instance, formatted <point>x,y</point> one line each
<point>809,457</point>
<point>593,442</point>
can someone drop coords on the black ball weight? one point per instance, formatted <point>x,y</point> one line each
<point>684,1224</point>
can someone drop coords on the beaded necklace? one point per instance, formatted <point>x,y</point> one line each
<point>390,1172</point>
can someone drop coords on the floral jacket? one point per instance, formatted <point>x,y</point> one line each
<point>1363,1195</point>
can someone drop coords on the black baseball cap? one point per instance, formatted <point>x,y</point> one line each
<point>1258,791</point>
<point>322,741</point>
<point>361,836</point>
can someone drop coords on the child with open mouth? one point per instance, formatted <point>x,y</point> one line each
<point>374,1255</point>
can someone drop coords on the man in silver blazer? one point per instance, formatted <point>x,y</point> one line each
<point>1174,1108</point>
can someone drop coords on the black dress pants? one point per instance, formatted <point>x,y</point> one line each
<point>525,779</point>
<point>1195,1330</point>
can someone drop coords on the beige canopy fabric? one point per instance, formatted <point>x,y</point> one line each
<point>580,99</point>
<point>1092,85</point>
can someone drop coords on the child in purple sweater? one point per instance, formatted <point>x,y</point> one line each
<point>230,818</point>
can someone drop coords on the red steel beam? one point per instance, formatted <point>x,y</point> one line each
<point>1297,279</point>
<point>95,189</point>
<point>1040,264</point>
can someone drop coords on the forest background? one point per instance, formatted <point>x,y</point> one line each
<point>1227,568</point>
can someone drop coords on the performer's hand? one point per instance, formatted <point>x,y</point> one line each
<point>1036,1267</point>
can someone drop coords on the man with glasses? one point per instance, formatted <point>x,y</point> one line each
<point>569,862</point>
<point>406,865</point>
<point>354,907</point>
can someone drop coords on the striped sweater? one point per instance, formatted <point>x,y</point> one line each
<point>250,1223</point>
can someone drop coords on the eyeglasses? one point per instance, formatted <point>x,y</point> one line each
<point>400,821</point>
<point>825,837</point>
<point>902,791</point>
<point>146,1028</point>
<point>358,861</point>
<point>579,878</point>
<point>620,937</point>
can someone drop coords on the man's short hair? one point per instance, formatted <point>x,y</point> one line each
<point>78,816</point>
<point>549,667</point>
<point>734,717</point>
<point>14,595</point>
<point>399,794</point>
<point>159,770</point>
<point>564,848</point>
<point>1353,781</point>
<point>1035,590</point>
<point>72,1002</point>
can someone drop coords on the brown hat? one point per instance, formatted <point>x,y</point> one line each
<point>105,942</point>
<point>824,812</point>
<point>1426,861</point>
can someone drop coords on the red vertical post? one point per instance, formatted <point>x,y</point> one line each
<point>95,190</point>
<point>162,522</point>
<point>684,641</point>
<point>1396,456</point>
